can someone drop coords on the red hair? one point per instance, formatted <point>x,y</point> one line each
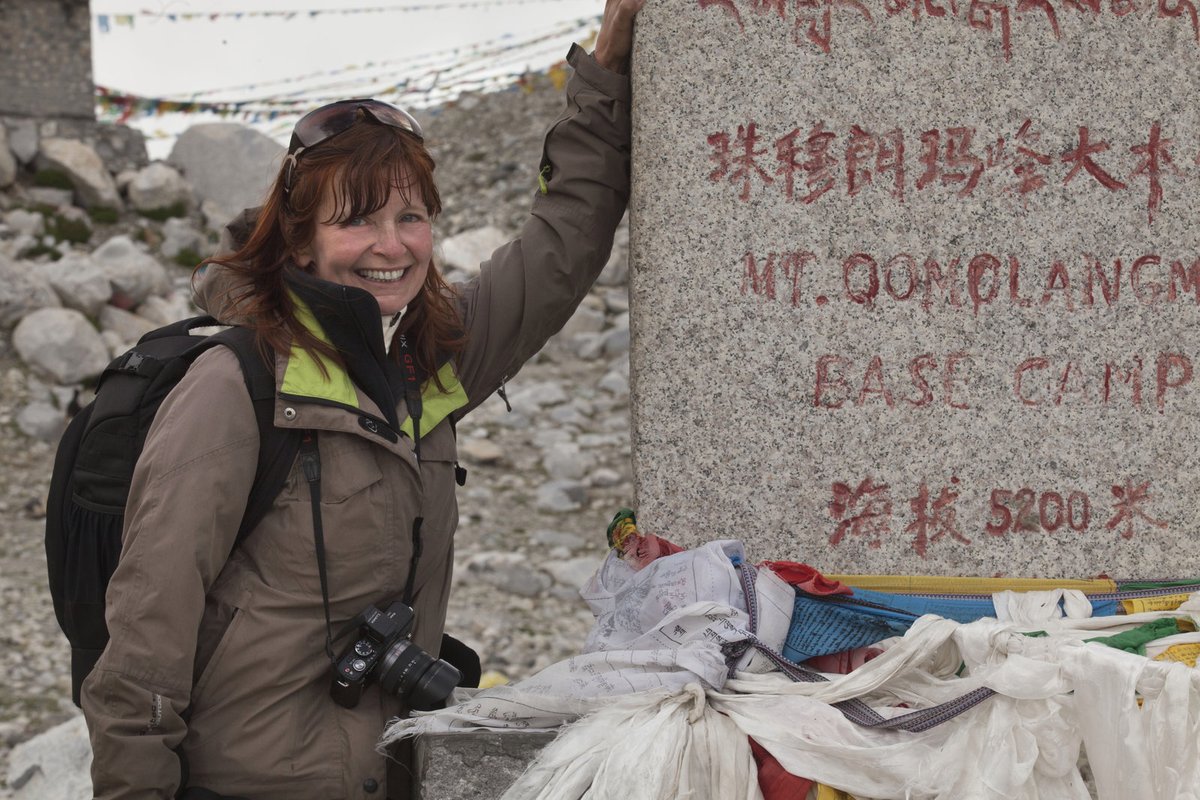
<point>360,167</point>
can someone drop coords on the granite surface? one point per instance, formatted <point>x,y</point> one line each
<point>473,766</point>
<point>915,283</point>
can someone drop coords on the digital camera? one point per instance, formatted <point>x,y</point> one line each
<point>384,652</point>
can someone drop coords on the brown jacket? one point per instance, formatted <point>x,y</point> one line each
<point>219,655</point>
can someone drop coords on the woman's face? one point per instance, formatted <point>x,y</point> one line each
<point>387,253</point>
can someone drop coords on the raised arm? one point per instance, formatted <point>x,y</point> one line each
<point>530,287</point>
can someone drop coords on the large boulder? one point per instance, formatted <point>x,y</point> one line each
<point>126,327</point>
<point>166,309</point>
<point>30,223</point>
<point>467,250</point>
<point>133,273</point>
<point>179,235</point>
<point>23,139</point>
<point>23,290</point>
<point>62,344</point>
<point>8,162</point>
<point>227,164</point>
<point>92,182</point>
<point>55,765</point>
<point>158,187</point>
<point>79,282</point>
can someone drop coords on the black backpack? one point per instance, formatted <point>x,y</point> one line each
<point>85,510</point>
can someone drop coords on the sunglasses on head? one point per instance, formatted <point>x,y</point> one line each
<point>324,123</point>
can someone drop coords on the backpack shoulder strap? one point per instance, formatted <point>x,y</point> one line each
<point>278,447</point>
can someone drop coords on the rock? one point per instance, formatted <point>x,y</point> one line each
<point>61,343</point>
<point>23,290</point>
<point>41,421</point>
<point>228,164</point>
<point>215,216</point>
<point>560,496</point>
<point>604,478</point>
<point>132,272</point>
<point>570,541</point>
<point>587,346</point>
<point>616,271</point>
<point>159,187</point>
<point>49,196</point>
<point>113,343</point>
<point>179,235</point>
<point>616,382</point>
<point>12,249</point>
<point>75,214</point>
<point>565,460</point>
<point>616,301</point>
<point>575,572</point>
<point>23,139</point>
<point>30,223</point>
<point>8,162</point>
<point>567,415</point>
<point>55,765</point>
<point>166,309</point>
<point>127,326</point>
<point>124,178</point>
<point>79,282</point>
<point>616,341</point>
<point>510,572</point>
<point>480,451</point>
<point>548,437</point>
<point>537,396</point>
<point>11,733</point>
<point>469,249</point>
<point>586,319</point>
<point>84,167</point>
<point>514,420</point>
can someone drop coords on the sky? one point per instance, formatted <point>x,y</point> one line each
<point>412,52</point>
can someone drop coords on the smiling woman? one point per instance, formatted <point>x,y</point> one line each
<point>223,674</point>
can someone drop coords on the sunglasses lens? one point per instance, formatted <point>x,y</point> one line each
<point>390,115</point>
<point>328,121</point>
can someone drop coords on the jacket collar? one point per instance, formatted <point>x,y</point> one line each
<point>348,319</point>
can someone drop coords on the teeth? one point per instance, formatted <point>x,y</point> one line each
<point>381,275</point>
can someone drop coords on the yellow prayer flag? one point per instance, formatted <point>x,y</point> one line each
<point>1183,653</point>
<point>1166,602</point>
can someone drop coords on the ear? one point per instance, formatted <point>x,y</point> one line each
<point>304,258</point>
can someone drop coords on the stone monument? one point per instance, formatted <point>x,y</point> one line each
<point>916,283</point>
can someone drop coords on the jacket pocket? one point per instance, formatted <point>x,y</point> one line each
<point>354,509</point>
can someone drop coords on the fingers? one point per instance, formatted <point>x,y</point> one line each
<point>615,41</point>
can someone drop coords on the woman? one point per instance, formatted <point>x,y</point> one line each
<point>217,674</point>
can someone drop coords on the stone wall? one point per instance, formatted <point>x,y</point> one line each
<point>46,58</point>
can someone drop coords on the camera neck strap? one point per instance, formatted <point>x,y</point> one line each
<point>412,390</point>
<point>310,461</point>
<point>412,401</point>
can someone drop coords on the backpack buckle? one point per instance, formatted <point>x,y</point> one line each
<point>139,364</point>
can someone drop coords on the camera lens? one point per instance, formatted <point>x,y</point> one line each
<point>421,681</point>
<point>434,686</point>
